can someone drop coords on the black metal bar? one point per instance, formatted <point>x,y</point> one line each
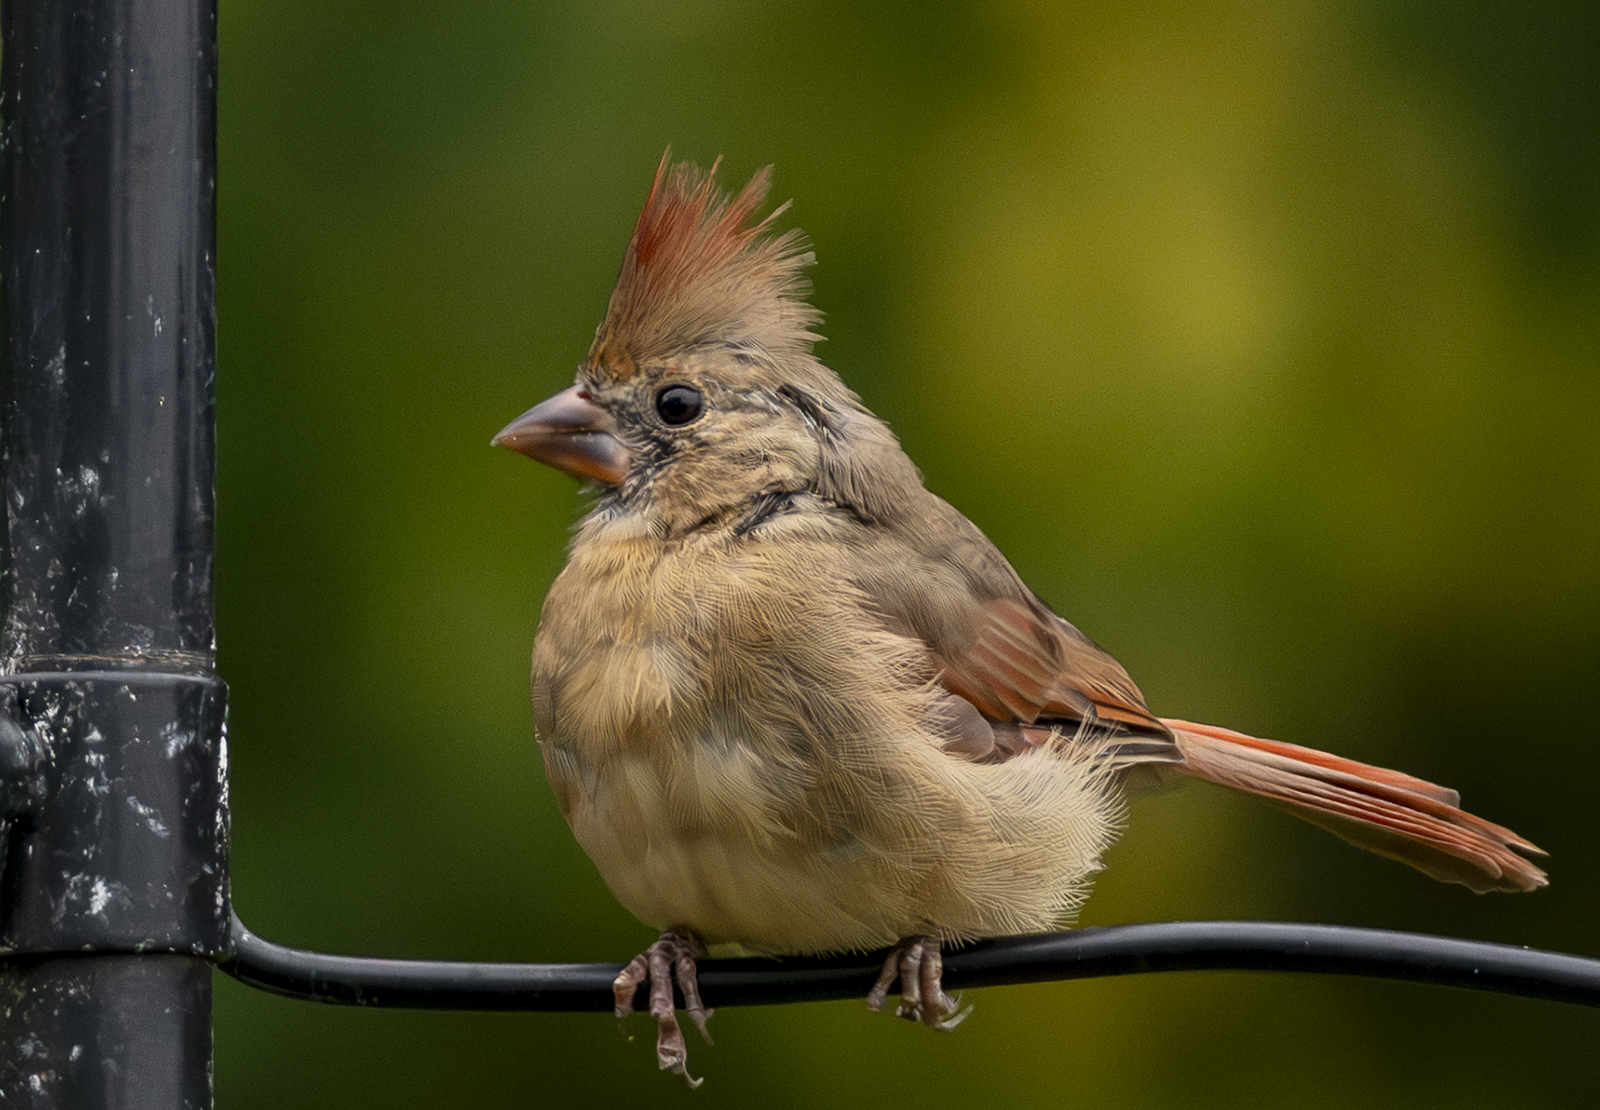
<point>114,893</point>
<point>1079,954</point>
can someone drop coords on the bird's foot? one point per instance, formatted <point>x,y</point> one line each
<point>916,963</point>
<point>673,956</point>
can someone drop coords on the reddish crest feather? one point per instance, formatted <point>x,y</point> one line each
<point>698,272</point>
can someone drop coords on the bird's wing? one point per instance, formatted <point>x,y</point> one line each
<point>991,642</point>
<point>1025,664</point>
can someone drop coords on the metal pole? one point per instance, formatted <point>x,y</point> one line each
<point>113,818</point>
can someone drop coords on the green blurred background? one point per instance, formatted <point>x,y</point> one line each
<point>1262,336</point>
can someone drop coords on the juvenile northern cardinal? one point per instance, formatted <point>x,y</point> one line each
<point>792,702</point>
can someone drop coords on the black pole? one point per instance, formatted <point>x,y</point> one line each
<point>113,897</point>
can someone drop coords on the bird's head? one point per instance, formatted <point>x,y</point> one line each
<point>700,393</point>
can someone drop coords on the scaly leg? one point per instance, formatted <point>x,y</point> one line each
<point>916,963</point>
<point>673,956</point>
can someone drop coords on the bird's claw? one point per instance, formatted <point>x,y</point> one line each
<point>918,966</point>
<point>668,959</point>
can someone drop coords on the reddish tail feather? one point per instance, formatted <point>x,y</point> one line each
<point>1383,811</point>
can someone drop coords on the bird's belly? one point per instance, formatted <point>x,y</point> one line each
<point>725,842</point>
<point>707,845</point>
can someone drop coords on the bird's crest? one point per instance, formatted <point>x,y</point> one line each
<point>698,271</point>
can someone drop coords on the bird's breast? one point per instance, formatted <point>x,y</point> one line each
<point>606,669</point>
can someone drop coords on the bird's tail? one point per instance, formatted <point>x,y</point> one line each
<point>1380,810</point>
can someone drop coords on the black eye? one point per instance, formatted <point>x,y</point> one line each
<point>679,404</point>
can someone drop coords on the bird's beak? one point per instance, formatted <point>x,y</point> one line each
<point>571,433</point>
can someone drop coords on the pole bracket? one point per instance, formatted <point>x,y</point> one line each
<point>116,813</point>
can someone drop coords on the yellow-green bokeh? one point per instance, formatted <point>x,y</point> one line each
<point>1262,336</point>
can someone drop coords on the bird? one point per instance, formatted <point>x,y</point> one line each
<point>790,701</point>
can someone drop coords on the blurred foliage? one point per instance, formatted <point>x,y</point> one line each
<point>1262,336</point>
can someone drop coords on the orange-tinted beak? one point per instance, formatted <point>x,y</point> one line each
<point>571,433</point>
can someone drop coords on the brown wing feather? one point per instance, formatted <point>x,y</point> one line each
<point>1026,664</point>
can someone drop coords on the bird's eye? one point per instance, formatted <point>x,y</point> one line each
<point>679,404</point>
